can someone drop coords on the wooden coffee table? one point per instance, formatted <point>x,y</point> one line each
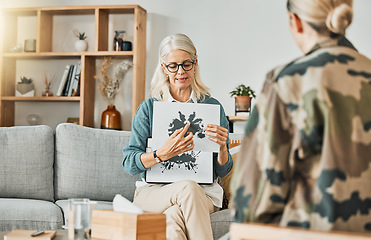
<point>61,235</point>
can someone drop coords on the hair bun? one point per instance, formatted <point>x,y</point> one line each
<point>339,18</point>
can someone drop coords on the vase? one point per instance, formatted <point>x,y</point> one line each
<point>111,118</point>
<point>81,45</point>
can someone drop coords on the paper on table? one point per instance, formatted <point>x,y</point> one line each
<point>121,204</point>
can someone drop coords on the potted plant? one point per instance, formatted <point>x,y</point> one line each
<point>25,88</point>
<point>81,44</point>
<point>243,95</point>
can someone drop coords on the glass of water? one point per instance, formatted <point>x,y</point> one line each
<point>79,218</point>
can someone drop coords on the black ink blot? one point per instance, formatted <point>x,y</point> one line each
<point>188,160</point>
<point>196,127</point>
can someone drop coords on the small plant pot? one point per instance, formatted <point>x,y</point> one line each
<point>242,103</point>
<point>25,90</point>
<point>81,45</point>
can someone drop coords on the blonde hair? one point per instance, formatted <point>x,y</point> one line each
<point>324,15</point>
<point>160,85</point>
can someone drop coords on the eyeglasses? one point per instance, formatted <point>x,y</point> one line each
<point>173,67</point>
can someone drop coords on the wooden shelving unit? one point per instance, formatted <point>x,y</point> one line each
<point>44,50</point>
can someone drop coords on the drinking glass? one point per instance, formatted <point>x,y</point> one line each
<point>79,218</point>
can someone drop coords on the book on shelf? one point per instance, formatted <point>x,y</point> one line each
<point>63,81</point>
<point>67,85</point>
<point>20,234</point>
<point>73,91</point>
<point>72,82</point>
<point>76,92</point>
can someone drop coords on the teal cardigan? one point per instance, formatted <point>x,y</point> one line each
<point>142,130</point>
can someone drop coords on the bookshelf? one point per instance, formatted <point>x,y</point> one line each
<point>45,18</point>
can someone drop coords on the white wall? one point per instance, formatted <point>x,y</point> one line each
<point>238,40</point>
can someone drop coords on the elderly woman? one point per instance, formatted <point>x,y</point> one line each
<point>187,205</point>
<point>306,155</point>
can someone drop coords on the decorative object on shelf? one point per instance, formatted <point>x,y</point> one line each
<point>74,120</point>
<point>33,119</point>
<point>120,37</point>
<point>16,48</point>
<point>243,95</point>
<point>111,118</point>
<point>109,87</point>
<point>126,46</point>
<point>81,45</point>
<point>25,88</point>
<point>30,45</point>
<point>47,92</point>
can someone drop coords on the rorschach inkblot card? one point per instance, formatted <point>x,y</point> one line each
<point>169,116</point>
<point>196,165</point>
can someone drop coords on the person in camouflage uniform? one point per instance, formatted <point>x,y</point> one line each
<point>306,155</point>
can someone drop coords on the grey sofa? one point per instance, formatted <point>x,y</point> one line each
<point>41,168</point>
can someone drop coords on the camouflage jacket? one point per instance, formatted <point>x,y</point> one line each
<point>305,160</point>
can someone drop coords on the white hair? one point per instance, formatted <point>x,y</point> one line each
<point>160,86</point>
<point>330,15</point>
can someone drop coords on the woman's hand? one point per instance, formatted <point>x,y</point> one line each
<point>219,135</point>
<point>176,144</point>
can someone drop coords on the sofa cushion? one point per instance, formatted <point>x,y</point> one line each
<point>89,164</point>
<point>26,162</point>
<point>29,214</point>
<point>220,222</point>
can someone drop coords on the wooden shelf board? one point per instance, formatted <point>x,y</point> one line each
<point>69,11</point>
<point>67,54</point>
<point>21,11</point>
<point>74,10</point>
<point>110,53</point>
<point>237,118</point>
<point>40,99</point>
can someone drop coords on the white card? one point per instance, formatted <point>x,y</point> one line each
<point>170,116</point>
